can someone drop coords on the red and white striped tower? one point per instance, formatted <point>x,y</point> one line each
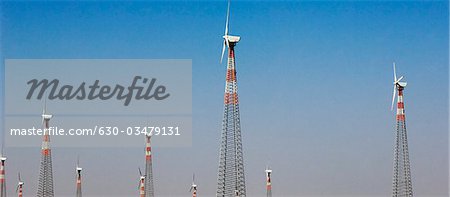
<point>269,182</point>
<point>2,176</point>
<point>19,189</point>
<point>231,176</point>
<point>141,184</point>
<point>402,184</point>
<point>45,185</point>
<point>149,192</point>
<point>78,171</point>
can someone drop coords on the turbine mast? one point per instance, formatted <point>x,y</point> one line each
<point>2,174</point>
<point>402,184</point>
<point>269,182</point>
<point>78,171</point>
<point>231,178</point>
<point>45,185</point>
<point>149,191</point>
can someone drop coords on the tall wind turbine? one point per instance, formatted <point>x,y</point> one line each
<point>45,185</point>
<point>231,178</point>
<point>19,189</point>
<point>401,183</point>
<point>149,190</point>
<point>193,188</point>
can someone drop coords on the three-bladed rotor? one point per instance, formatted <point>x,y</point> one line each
<point>397,83</point>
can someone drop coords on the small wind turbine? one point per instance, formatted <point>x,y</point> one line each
<point>228,38</point>
<point>397,84</point>
<point>193,188</point>
<point>141,186</point>
<point>78,182</point>
<point>20,186</point>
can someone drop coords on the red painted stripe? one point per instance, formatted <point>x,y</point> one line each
<point>401,117</point>
<point>231,98</point>
<point>231,75</point>
<point>400,105</point>
<point>46,151</point>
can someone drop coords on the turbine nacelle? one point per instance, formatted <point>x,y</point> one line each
<point>46,116</point>
<point>230,38</point>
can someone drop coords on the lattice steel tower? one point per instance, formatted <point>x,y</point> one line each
<point>45,185</point>
<point>149,192</point>
<point>231,179</point>
<point>402,186</point>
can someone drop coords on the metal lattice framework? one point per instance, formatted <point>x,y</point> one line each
<point>231,179</point>
<point>149,191</point>
<point>45,185</point>
<point>402,186</point>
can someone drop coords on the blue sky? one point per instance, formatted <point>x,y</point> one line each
<point>315,82</point>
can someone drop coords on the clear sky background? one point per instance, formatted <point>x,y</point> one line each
<point>315,84</point>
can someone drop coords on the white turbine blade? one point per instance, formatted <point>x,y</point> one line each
<point>395,74</point>
<point>223,52</point>
<point>228,16</point>
<point>393,98</point>
<point>399,79</point>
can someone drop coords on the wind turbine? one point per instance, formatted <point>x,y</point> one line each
<point>19,188</point>
<point>397,84</point>
<point>141,186</point>
<point>78,170</point>
<point>193,188</point>
<point>228,38</point>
